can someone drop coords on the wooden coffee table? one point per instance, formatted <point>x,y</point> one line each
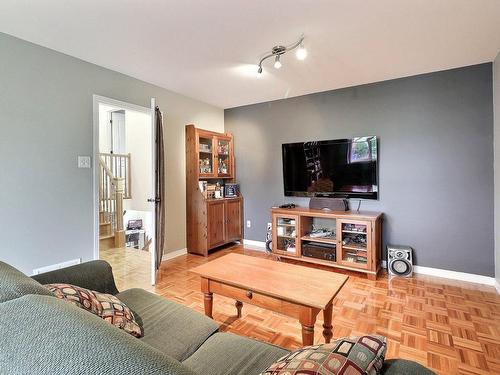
<point>297,291</point>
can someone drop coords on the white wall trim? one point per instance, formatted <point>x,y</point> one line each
<point>462,276</point>
<point>254,245</point>
<point>174,254</point>
<point>454,275</point>
<point>58,266</point>
<point>497,286</point>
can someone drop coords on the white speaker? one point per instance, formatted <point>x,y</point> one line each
<point>400,260</point>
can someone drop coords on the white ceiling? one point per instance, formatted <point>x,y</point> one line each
<point>204,49</point>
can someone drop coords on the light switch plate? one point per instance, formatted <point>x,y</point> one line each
<point>84,162</point>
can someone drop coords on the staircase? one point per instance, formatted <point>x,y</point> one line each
<point>114,187</point>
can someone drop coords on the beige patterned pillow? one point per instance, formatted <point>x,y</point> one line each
<point>106,306</point>
<point>362,355</point>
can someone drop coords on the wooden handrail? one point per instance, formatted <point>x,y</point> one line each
<point>119,167</point>
<point>106,169</point>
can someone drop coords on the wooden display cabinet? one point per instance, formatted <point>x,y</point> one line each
<point>357,239</point>
<point>210,222</point>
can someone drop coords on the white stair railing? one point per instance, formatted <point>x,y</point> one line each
<point>119,165</point>
<point>111,195</point>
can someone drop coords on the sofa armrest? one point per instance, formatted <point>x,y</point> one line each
<point>95,275</point>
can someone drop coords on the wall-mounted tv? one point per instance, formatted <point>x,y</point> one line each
<point>344,168</point>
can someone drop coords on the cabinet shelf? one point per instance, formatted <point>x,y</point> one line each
<point>355,248</point>
<point>319,239</point>
<point>352,231</point>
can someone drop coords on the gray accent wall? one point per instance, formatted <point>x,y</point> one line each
<point>496,106</point>
<point>46,203</point>
<point>435,159</point>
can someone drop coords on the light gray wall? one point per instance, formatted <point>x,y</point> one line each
<point>46,203</point>
<point>436,159</point>
<point>496,109</point>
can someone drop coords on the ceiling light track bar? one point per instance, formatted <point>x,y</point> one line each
<point>279,50</point>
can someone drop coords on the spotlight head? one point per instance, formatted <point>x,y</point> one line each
<point>301,52</point>
<point>277,62</point>
<point>260,69</point>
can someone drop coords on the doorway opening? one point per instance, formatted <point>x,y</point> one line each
<point>124,171</point>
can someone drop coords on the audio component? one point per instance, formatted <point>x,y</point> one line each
<point>400,260</point>
<point>329,204</point>
<point>320,251</point>
<point>269,238</point>
<point>288,205</point>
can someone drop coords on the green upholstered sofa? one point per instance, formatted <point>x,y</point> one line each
<point>40,334</point>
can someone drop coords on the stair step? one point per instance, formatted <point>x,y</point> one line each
<point>105,228</point>
<point>106,241</point>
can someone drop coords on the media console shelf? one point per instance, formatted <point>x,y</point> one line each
<point>353,244</point>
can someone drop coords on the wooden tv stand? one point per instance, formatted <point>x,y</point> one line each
<point>357,239</point>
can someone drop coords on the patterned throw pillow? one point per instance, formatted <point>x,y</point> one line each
<point>103,305</point>
<point>349,355</point>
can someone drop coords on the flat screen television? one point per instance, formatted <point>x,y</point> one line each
<point>343,168</point>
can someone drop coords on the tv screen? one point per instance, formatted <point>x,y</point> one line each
<point>338,168</point>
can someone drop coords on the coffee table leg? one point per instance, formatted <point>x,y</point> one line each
<point>208,300</point>
<point>239,306</point>
<point>307,335</point>
<point>327,323</point>
<point>307,318</point>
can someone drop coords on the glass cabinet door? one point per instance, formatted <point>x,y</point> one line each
<point>223,156</point>
<point>206,160</point>
<point>354,243</point>
<point>285,235</point>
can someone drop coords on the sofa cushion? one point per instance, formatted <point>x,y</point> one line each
<point>403,366</point>
<point>228,354</point>
<point>105,306</point>
<point>15,284</point>
<point>172,328</point>
<point>47,336</point>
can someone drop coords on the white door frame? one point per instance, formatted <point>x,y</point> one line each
<point>97,99</point>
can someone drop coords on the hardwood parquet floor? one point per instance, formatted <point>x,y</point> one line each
<point>449,326</point>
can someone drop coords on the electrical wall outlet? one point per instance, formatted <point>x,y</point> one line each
<point>249,224</point>
<point>84,162</point>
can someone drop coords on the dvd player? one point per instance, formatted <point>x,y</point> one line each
<point>320,251</point>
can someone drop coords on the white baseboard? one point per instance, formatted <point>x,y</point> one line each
<point>255,245</point>
<point>57,266</point>
<point>462,276</point>
<point>174,254</point>
<point>454,275</point>
<point>497,286</point>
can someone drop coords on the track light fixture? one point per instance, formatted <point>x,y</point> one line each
<point>279,50</point>
<point>277,62</point>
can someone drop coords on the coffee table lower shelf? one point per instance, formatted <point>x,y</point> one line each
<point>305,314</point>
